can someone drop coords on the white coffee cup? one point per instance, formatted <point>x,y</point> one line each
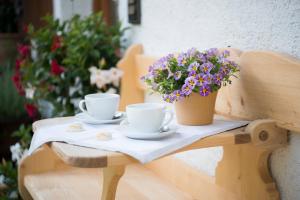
<point>100,106</point>
<point>147,117</point>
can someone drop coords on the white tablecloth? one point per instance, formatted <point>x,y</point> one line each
<point>143,150</point>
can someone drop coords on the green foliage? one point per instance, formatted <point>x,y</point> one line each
<point>8,169</point>
<point>10,187</point>
<point>24,135</point>
<point>12,104</point>
<point>75,45</point>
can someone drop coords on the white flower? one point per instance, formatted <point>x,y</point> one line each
<point>2,178</point>
<point>93,69</point>
<point>59,33</point>
<point>116,74</point>
<point>29,92</point>
<point>111,91</point>
<point>76,88</point>
<point>100,78</point>
<point>16,152</point>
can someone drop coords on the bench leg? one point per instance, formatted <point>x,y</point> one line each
<point>244,169</point>
<point>111,177</point>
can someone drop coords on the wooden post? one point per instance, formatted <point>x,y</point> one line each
<point>111,177</point>
<point>244,169</point>
<point>130,93</point>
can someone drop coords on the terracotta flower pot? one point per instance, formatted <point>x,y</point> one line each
<point>196,109</point>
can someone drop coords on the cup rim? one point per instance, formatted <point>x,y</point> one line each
<point>101,96</point>
<point>144,106</point>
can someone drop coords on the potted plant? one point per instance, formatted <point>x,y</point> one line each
<point>192,79</point>
<point>61,62</point>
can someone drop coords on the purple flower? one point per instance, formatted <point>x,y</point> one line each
<point>193,66</point>
<point>191,52</point>
<point>204,90</point>
<point>201,57</point>
<point>212,52</point>
<point>226,53</point>
<point>177,75</point>
<point>201,79</point>
<point>186,89</point>
<point>218,78</point>
<point>208,78</point>
<point>182,59</point>
<point>192,73</point>
<point>168,98</point>
<point>224,70</point>
<point>178,94</point>
<point>223,60</point>
<point>206,67</point>
<point>191,81</point>
<point>169,57</point>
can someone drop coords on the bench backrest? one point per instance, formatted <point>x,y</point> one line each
<point>268,86</point>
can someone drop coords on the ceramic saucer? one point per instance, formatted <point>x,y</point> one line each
<point>134,134</point>
<point>86,118</point>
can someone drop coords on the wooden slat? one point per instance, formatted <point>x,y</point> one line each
<point>87,157</point>
<point>184,174</point>
<point>130,92</point>
<point>268,87</point>
<point>137,183</point>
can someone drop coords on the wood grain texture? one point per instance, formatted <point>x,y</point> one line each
<point>137,183</point>
<point>244,169</point>
<point>88,158</point>
<point>189,179</point>
<point>268,87</point>
<point>242,174</point>
<point>130,92</point>
<point>42,160</point>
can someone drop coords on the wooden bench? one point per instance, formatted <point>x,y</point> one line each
<point>266,93</point>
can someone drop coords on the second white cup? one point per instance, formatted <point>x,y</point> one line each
<point>148,117</point>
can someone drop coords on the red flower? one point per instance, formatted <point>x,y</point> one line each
<point>17,82</point>
<point>56,69</point>
<point>56,43</point>
<point>25,28</point>
<point>18,64</point>
<point>31,110</point>
<point>24,50</point>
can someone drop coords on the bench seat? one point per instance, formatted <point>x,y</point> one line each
<point>138,183</point>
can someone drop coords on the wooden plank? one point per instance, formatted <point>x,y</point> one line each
<point>268,87</point>
<point>184,174</point>
<point>137,183</point>
<point>88,157</point>
<point>130,92</point>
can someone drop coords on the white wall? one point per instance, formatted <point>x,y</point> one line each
<point>65,9</point>
<point>175,25</point>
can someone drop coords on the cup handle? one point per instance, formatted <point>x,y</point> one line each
<point>168,118</point>
<point>81,107</point>
<point>124,122</point>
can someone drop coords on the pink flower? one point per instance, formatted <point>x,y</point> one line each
<point>31,110</point>
<point>24,50</point>
<point>56,69</point>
